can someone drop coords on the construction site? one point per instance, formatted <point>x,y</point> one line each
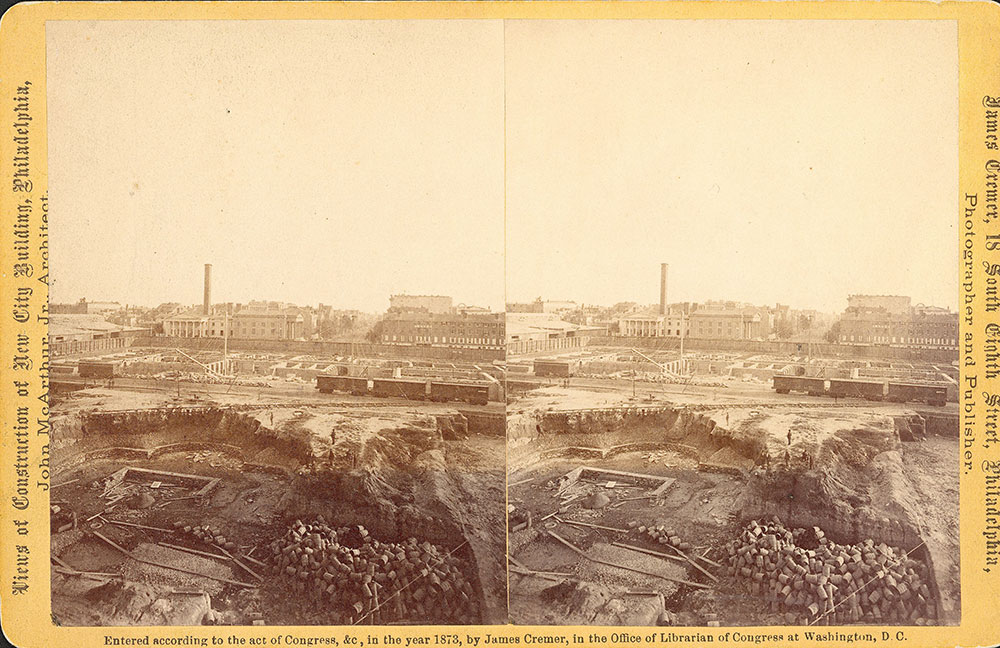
<point>732,483</point>
<point>709,499</point>
<point>197,486</point>
<point>234,508</point>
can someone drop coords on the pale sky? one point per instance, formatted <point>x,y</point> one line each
<point>765,161</point>
<point>326,161</point>
<point>343,161</point>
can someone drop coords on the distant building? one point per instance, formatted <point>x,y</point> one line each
<point>256,322</point>
<point>713,320</point>
<point>556,306</point>
<point>537,306</point>
<point>892,304</point>
<point>81,333</point>
<point>542,332</point>
<point>729,324</point>
<point>673,324</point>
<point>270,324</point>
<point>438,304</point>
<point>84,307</point>
<point>193,324</point>
<point>468,309</point>
<point>98,308</point>
<point>450,330</point>
<point>79,308</point>
<point>890,320</point>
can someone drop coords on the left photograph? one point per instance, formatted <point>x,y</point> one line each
<point>276,322</point>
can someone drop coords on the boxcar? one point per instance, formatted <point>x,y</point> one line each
<point>92,369</point>
<point>812,386</point>
<point>846,388</point>
<point>475,393</point>
<point>326,383</point>
<point>557,368</point>
<point>399,388</point>
<point>357,386</point>
<point>931,394</point>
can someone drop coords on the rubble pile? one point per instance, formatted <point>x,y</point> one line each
<point>360,579</point>
<point>811,579</point>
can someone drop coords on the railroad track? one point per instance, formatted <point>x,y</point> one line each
<point>745,405</point>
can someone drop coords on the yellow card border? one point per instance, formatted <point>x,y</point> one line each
<point>27,616</point>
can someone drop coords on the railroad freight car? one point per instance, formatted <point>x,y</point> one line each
<point>357,386</point>
<point>327,384</point>
<point>811,386</point>
<point>556,368</point>
<point>399,388</point>
<point>94,369</point>
<point>475,393</point>
<point>867,389</point>
<point>931,394</point>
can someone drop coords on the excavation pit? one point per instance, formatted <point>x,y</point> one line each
<point>169,513</point>
<point>858,474</point>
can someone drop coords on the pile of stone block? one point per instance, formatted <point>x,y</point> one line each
<point>811,579</point>
<point>210,535</point>
<point>665,535</point>
<point>360,579</point>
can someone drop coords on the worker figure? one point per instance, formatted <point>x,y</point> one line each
<point>789,436</point>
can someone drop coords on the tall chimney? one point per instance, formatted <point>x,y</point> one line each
<point>663,289</point>
<point>206,308</point>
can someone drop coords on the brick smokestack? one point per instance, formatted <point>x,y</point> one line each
<point>663,289</point>
<point>206,308</point>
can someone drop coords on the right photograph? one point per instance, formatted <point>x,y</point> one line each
<point>732,324</point>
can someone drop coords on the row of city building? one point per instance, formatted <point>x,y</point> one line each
<point>889,320</point>
<point>411,320</point>
<point>892,320</point>
<point>434,321</point>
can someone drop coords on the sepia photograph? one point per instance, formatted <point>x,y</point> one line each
<point>276,322</point>
<point>529,322</point>
<point>732,294</point>
<point>481,324</point>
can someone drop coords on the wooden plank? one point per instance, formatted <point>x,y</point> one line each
<point>528,572</point>
<point>648,551</point>
<point>693,563</point>
<point>626,568</point>
<point>255,561</point>
<point>192,551</point>
<point>709,561</point>
<point>139,526</point>
<point>520,567</point>
<point>664,482</point>
<point>163,566</point>
<point>246,569</point>
<point>592,526</point>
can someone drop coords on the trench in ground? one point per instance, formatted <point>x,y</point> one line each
<point>856,474</point>
<point>436,479</point>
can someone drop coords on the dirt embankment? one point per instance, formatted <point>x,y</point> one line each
<point>858,475</point>
<point>692,433</point>
<point>402,476</point>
